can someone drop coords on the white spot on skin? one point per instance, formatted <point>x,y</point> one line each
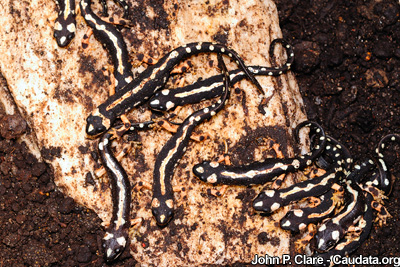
<point>188,50</point>
<point>108,236</point>
<point>57,26</point>
<point>321,243</point>
<point>63,39</point>
<point>214,164</point>
<point>120,221</point>
<point>165,92</point>
<point>100,27</point>
<point>286,224</point>
<point>296,164</point>
<point>155,102</point>
<point>302,226</point>
<point>298,213</point>
<point>90,128</point>
<point>170,105</point>
<point>200,169</point>
<point>162,218</point>
<point>258,204</point>
<point>322,228</point>
<point>382,162</point>
<point>71,27</point>
<point>275,206</point>
<point>335,235</point>
<point>84,4</point>
<point>212,178</point>
<point>169,203</point>
<point>269,193</point>
<point>174,54</point>
<point>283,167</point>
<point>121,241</point>
<point>155,203</point>
<point>109,252</point>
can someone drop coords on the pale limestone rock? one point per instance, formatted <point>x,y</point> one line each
<point>11,108</point>
<point>56,88</point>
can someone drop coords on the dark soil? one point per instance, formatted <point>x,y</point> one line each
<point>39,226</point>
<point>347,66</point>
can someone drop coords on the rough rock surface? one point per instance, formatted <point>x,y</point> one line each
<point>56,88</point>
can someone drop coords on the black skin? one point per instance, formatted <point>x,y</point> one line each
<point>148,82</point>
<point>177,144</point>
<point>206,169</point>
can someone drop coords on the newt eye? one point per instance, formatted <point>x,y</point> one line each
<point>169,213</point>
<point>71,36</point>
<point>155,212</point>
